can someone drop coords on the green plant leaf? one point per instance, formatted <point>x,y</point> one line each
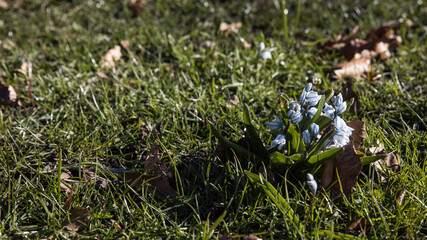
<point>275,197</point>
<point>323,123</point>
<point>369,159</point>
<point>325,156</point>
<point>280,162</point>
<point>259,147</point>
<point>292,139</point>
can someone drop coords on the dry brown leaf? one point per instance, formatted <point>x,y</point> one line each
<point>246,45</point>
<point>157,180</point>
<point>377,149</point>
<point>401,197</point>
<point>4,5</point>
<point>108,61</point>
<point>251,237</point>
<point>358,135</point>
<point>24,67</point>
<point>359,65</point>
<point>208,44</point>
<point>79,217</point>
<point>125,44</point>
<point>379,41</point>
<point>7,44</point>
<point>17,4</point>
<point>391,163</point>
<point>361,225</point>
<point>66,187</point>
<point>101,75</point>
<point>247,237</point>
<point>137,5</point>
<point>227,29</point>
<point>234,100</point>
<point>8,96</point>
<point>347,167</point>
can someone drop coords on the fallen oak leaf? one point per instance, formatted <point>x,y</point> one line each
<point>358,135</point>
<point>109,60</point>
<point>359,65</point>
<point>343,172</point>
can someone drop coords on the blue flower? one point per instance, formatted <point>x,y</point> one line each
<point>264,53</point>
<point>294,114</point>
<point>339,104</point>
<point>328,111</point>
<point>314,129</point>
<point>305,91</point>
<point>312,184</point>
<point>280,141</point>
<point>313,98</point>
<point>276,124</point>
<point>312,112</point>
<point>306,137</point>
<point>342,134</point>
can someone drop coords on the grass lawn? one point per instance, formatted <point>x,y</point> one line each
<point>85,128</point>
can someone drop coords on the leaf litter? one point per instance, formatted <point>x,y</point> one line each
<point>360,52</point>
<point>155,177</point>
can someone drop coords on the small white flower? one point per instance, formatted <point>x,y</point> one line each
<point>279,141</point>
<point>264,53</point>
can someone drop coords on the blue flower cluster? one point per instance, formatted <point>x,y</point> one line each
<point>297,112</point>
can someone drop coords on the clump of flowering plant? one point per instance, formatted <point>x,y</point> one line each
<point>307,133</point>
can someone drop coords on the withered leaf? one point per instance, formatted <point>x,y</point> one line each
<point>227,29</point>
<point>390,163</point>
<point>208,44</point>
<point>358,135</point>
<point>125,44</point>
<point>108,61</point>
<point>378,42</point>
<point>156,179</point>
<point>361,225</point>
<point>67,187</point>
<point>8,96</point>
<point>357,67</point>
<point>137,6</point>
<point>246,45</point>
<point>346,167</point>
<point>4,4</point>
<point>79,217</point>
<point>247,237</point>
